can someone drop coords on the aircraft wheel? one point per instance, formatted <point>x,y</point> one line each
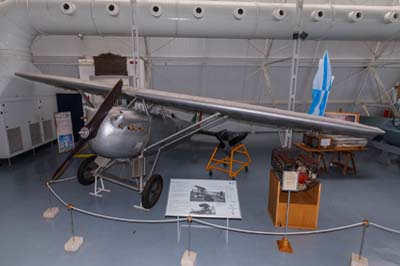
<point>246,169</point>
<point>85,171</point>
<point>152,191</point>
<point>210,173</point>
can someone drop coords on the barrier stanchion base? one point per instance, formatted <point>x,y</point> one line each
<point>284,245</point>
<point>188,258</point>
<point>73,244</point>
<point>356,260</point>
<point>51,213</point>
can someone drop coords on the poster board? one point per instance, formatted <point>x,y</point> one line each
<point>290,181</point>
<point>203,198</point>
<point>65,136</point>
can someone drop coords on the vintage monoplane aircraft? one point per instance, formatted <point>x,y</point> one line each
<point>129,134</point>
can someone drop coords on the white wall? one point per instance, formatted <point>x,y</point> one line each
<point>230,69</point>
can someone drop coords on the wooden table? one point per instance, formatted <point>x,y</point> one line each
<point>347,152</point>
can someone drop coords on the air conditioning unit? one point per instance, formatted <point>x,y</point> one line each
<point>26,123</point>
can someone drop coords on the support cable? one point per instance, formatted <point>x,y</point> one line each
<point>70,209</point>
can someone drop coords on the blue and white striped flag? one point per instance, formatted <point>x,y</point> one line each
<point>322,85</point>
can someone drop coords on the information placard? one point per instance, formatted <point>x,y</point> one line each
<point>65,136</point>
<point>203,198</point>
<point>290,181</point>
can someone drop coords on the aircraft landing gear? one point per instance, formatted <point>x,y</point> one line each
<point>152,191</point>
<point>86,171</point>
<point>95,168</point>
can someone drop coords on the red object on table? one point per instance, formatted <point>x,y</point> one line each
<point>302,177</point>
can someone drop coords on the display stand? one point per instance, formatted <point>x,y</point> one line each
<point>227,231</point>
<point>237,161</point>
<point>178,229</point>
<point>358,259</point>
<point>74,242</point>
<point>203,198</point>
<point>284,244</point>
<point>189,256</point>
<point>51,213</point>
<point>290,182</point>
<point>304,208</point>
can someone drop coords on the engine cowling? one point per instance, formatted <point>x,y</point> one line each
<point>123,134</point>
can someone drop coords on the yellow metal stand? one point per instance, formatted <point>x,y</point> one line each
<point>231,161</point>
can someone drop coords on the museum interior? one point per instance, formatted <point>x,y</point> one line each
<point>143,132</point>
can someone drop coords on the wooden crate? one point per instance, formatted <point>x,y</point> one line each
<point>304,205</point>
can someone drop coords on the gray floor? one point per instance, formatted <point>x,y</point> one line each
<point>27,239</point>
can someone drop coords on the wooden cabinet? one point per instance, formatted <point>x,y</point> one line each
<point>304,205</point>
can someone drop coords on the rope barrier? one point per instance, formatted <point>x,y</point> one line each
<point>61,180</point>
<point>384,228</point>
<point>70,206</point>
<point>238,230</point>
<point>129,220</point>
<point>340,228</point>
<point>56,195</point>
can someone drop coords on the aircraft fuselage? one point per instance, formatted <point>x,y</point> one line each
<point>124,133</point>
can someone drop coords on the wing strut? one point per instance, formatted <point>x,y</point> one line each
<point>187,132</point>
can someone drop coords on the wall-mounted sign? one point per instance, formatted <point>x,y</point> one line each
<point>65,136</point>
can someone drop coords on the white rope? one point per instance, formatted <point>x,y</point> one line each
<point>238,230</point>
<point>384,228</point>
<point>62,180</point>
<point>56,195</point>
<point>111,217</point>
<point>126,219</point>
<point>340,228</point>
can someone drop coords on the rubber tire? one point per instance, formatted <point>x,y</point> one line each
<point>86,166</point>
<point>152,191</point>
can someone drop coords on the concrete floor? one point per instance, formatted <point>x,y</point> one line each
<point>28,239</point>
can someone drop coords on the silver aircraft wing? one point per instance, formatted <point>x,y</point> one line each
<point>234,110</point>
